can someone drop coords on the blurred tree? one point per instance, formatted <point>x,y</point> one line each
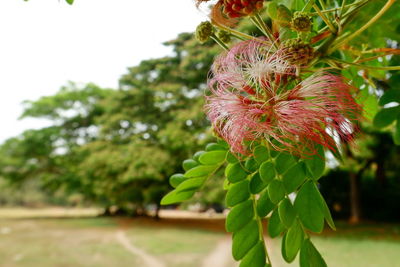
<point>50,154</point>
<point>149,126</point>
<point>119,147</point>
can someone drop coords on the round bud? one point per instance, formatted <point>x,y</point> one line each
<point>299,53</point>
<point>224,36</point>
<point>204,31</point>
<point>301,22</point>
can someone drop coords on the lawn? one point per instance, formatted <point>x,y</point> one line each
<point>172,243</point>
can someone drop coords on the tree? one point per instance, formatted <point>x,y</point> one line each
<point>118,147</point>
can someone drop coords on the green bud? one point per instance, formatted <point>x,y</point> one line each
<point>301,22</point>
<point>204,31</point>
<point>300,53</point>
<point>224,36</point>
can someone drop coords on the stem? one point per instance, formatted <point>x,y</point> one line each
<point>259,22</point>
<point>263,25</point>
<point>342,41</point>
<point>342,8</point>
<point>308,6</point>
<point>218,41</point>
<point>321,2</point>
<point>260,228</point>
<point>325,19</point>
<point>234,32</point>
<point>357,6</point>
<point>335,9</point>
<point>362,66</point>
<point>368,59</point>
<point>385,50</point>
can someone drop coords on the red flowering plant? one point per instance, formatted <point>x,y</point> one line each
<point>278,102</point>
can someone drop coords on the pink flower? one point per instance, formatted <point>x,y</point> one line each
<point>255,94</point>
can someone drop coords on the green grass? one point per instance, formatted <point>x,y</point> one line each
<point>175,247</point>
<point>174,240</point>
<point>92,242</point>
<point>351,252</point>
<point>82,242</point>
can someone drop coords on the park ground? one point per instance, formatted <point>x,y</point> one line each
<point>59,237</point>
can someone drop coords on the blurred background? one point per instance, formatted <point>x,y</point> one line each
<point>102,101</point>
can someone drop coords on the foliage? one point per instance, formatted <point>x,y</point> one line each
<point>270,171</point>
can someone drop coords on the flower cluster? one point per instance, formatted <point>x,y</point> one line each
<point>256,95</point>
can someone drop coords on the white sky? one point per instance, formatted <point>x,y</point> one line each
<point>45,43</point>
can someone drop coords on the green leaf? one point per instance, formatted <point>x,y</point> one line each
<point>275,226</point>
<point>189,164</point>
<point>70,1</point>
<point>309,255</point>
<point>267,172</point>
<point>280,14</point>
<point>325,209</point>
<point>283,248</point>
<point>294,177</point>
<point>244,240</point>
<point>392,95</point>
<point>287,213</point>
<point>297,4</point>
<point>176,179</point>
<point>308,209</point>
<point>197,155</point>
<point>236,173</point>
<point>251,165</point>
<point>283,162</point>
<point>274,153</point>
<point>176,197</point>
<point>316,163</point>
<point>264,205</point>
<point>239,216</point>
<point>212,157</point>
<point>223,143</point>
<point>237,193</point>
<point>255,257</point>
<point>202,170</point>
<point>261,154</point>
<point>386,116</point>
<point>215,147</point>
<point>230,158</point>
<point>272,10</point>
<point>191,184</point>
<point>292,242</point>
<point>370,106</point>
<point>256,184</point>
<point>284,16</point>
<point>276,191</point>
<point>226,185</point>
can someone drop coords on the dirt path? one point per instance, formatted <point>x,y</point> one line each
<point>221,255</point>
<point>149,260</point>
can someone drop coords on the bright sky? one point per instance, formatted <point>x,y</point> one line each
<point>45,43</point>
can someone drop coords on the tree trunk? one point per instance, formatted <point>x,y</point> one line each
<point>157,213</point>
<point>380,172</point>
<point>355,207</point>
